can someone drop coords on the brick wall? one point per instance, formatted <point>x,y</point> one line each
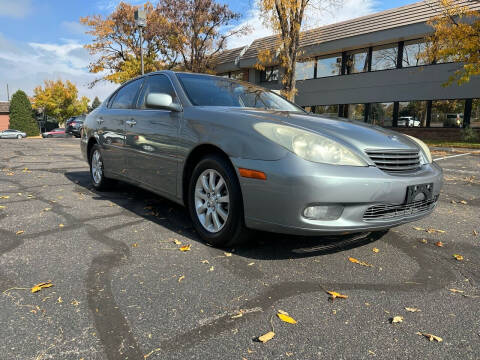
<point>434,134</point>
<point>4,121</point>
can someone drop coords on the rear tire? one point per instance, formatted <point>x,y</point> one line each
<point>216,206</point>
<point>19,137</point>
<point>97,175</point>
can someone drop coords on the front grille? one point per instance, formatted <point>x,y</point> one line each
<point>392,212</point>
<point>395,161</point>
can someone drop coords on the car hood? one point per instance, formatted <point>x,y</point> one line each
<point>360,135</point>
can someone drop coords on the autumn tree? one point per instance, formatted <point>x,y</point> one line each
<point>197,31</point>
<point>21,114</point>
<point>456,38</point>
<point>95,103</point>
<point>116,43</point>
<point>59,100</point>
<point>286,17</point>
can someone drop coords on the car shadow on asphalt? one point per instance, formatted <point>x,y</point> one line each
<point>174,217</point>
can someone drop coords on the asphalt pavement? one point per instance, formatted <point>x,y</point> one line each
<point>122,289</point>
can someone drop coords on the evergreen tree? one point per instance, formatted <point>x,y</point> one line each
<point>21,114</point>
<point>95,103</point>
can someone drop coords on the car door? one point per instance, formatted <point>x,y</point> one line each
<point>151,137</point>
<point>111,127</point>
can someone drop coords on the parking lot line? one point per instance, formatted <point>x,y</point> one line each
<point>451,156</point>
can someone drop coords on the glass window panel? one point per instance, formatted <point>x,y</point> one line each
<point>125,96</point>
<point>304,70</point>
<point>384,57</point>
<point>357,62</point>
<point>475,118</point>
<point>412,114</point>
<point>326,110</point>
<point>447,113</point>
<point>356,112</point>
<point>329,66</point>
<point>381,114</point>
<point>269,74</point>
<point>237,75</point>
<point>412,53</point>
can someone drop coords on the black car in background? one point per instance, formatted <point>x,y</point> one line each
<point>74,125</point>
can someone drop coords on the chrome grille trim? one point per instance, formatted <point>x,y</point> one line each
<point>393,212</point>
<point>395,160</point>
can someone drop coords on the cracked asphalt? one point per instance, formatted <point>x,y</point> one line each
<point>119,293</point>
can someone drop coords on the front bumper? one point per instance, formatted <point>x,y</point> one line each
<point>277,204</point>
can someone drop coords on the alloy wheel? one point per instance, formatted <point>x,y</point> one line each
<point>212,200</point>
<point>97,167</point>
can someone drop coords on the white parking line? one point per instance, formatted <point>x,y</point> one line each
<point>451,156</point>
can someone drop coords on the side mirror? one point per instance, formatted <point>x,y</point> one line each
<point>162,101</point>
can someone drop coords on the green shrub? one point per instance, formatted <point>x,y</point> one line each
<point>469,135</point>
<point>21,114</point>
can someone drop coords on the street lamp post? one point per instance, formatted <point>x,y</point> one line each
<point>141,22</point>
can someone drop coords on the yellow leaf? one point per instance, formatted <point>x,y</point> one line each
<point>410,309</point>
<point>335,295</point>
<point>19,232</point>
<point>74,302</point>
<point>432,231</point>
<point>439,244</point>
<point>250,264</point>
<point>266,337</point>
<point>184,248</point>
<point>40,286</point>
<point>282,312</point>
<point>475,233</point>
<point>375,250</point>
<point>2,207</point>
<point>286,318</point>
<point>205,262</point>
<point>227,254</point>
<point>424,241</point>
<point>456,291</point>
<point>397,319</point>
<point>4,197</point>
<point>177,242</point>
<point>463,202</point>
<point>59,300</point>
<point>211,268</point>
<point>61,225</point>
<point>355,261</point>
<point>135,245</point>
<point>430,337</point>
<point>458,257</point>
<point>181,278</point>
<point>418,228</point>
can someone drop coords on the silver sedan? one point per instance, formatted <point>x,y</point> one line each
<point>12,134</point>
<point>240,157</point>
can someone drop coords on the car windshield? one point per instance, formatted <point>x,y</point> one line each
<point>215,91</point>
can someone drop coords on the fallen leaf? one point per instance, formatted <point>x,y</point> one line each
<point>285,318</point>
<point>177,242</point>
<point>185,248</point>
<point>75,302</point>
<point>19,232</point>
<point>432,231</point>
<point>375,250</point>
<point>135,245</point>
<point>456,291</point>
<point>475,233</point>
<point>250,264</point>
<point>236,316</point>
<point>211,268</point>
<point>439,244</point>
<point>227,254</point>
<point>430,337</point>
<point>463,202</point>
<point>266,337</point>
<point>2,207</point>
<point>282,312</point>
<point>47,209</point>
<point>61,225</point>
<point>355,261</point>
<point>181,278</point>
<point>40,286</point>
<point>335,295</point>
<point>410,309</point>
<point>4,197</point>
<point>59,300</point>
<point>205,262</point>
<point>397,319</point>
<point>458,257</point>
<point>424,241</point>
<point>418,228</point>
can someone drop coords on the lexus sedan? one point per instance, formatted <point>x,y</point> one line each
<point>12,134</point>
<point>240,157</point>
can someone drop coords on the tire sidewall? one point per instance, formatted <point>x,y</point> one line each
<point>235,221</point>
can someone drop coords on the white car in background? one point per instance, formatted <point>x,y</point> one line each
<point>408,121</point>
<point>12,134</point>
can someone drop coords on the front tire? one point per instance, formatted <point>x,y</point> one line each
<point>97,175</point>
<point>19,137</point>
<point>215,202</point>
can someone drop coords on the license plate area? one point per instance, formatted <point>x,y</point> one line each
<point>414,190</point>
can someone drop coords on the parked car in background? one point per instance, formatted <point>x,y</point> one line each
<point>408,121</point>
<point>55,133</point>
<point>453,120</point>
<point>74,125</point>
<point>12,134</point>
<point>241,157</point>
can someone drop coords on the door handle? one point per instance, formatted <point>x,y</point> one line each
<point>131,122</point>
<point>100,120</point>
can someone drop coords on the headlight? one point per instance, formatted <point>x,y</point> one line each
<point>425,149</point>
<point>309,146</point>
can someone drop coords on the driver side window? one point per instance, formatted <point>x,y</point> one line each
<point>156,84</point>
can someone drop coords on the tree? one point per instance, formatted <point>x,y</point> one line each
<point>60,100</point>
<point>456,38</point>
<point>197,31</point>
<point>116,43</point>
<point>286,18</point>
<point>21,114</point>
<point>95,103</point>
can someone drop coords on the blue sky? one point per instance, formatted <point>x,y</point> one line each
<point>42,39</point>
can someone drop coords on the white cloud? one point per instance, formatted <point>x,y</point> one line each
<point>73,27</point>
<point>26,65</point>
<point>314,17</point>
<point>15,8</point>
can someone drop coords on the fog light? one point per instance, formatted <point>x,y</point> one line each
<point>324,212</point>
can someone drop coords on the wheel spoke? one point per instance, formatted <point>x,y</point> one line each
<point>219,185</point>
<point>208,219</point>
<point>202,208</point>
<point>216,221</point>
<point>205,184</point>
<point>224,199</point>
<point>198,193</point>
<point>222,213</point>
<point>212,180</point>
